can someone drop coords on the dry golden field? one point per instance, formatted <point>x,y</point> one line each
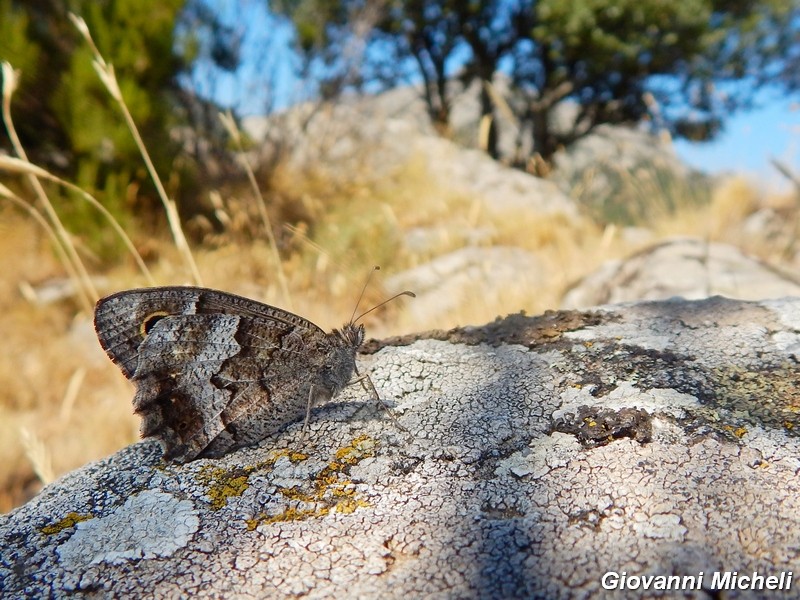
<point>63,403</point>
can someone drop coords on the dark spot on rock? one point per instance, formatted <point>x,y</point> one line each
<point>595,426</point>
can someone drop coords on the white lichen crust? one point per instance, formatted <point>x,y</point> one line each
<point>150,524</point>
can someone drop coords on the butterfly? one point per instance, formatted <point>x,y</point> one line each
<point>214,371</point>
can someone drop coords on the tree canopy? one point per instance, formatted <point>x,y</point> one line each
<point>696,60</point>
<point>69,123</point>
<point>686,66</point>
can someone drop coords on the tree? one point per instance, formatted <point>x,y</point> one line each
<point>427,31</point>
<point>699,59</point>
<point>67,120</point>
<point>331,37</point>
<point>614,57</point>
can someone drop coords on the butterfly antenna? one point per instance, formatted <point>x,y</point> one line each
<point>364,289</point>
<point>404,293</point>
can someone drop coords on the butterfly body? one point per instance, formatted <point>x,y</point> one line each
<point>214,371</point>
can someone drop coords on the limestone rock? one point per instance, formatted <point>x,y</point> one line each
<point>369,138</point>
<point>446,283</point>
<point>686,267</point>
<point>501,488</point>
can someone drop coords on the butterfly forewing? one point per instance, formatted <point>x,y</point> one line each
<point>123,319</point>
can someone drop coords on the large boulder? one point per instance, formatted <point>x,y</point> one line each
<point>544,457</point>
<point>687,267</point>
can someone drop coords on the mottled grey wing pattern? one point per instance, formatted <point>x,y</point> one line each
<point>123,319</point>
<point>214,371</point>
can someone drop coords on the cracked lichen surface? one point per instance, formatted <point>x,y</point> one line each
<point>223,483</point>
<point>695,404</point>
<point>150,524</point>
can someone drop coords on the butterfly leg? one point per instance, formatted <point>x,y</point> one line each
<point>369,387</point>
<point>309,406</point>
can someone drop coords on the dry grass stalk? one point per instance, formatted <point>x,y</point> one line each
<point>71,394</point>
<point>73,264</point>
<point>230,126</point>
<point>37,216</point>
<point>106,73</point>
<point>39,456</point>
<point>15,165</point>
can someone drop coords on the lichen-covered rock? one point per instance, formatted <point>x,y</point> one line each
<point>653,439</point>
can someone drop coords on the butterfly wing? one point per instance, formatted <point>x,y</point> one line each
<point>212,370</point>
<point>123,320</point>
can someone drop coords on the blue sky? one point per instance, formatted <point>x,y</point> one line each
<point>749,141</point>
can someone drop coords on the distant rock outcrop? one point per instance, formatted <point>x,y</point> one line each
<point>372,137</point>
<point>452,281</point>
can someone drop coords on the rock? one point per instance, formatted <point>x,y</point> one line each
<point>370,138</point>
<point>442,284</point>
<point>502,189</point>
<point>500,488</point>
<point>626,176</point>
<point>55,289</point>
<point>617,147</point>
<point>687,267</point>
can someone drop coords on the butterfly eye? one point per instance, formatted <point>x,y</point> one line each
<point>150,321</point>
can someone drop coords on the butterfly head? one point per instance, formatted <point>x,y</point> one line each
<point>352,335</point>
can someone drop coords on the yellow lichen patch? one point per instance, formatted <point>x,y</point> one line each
<point>331,489</point>
<point>70,520</point>
<point>350,505</point>
<point>295,494</point>
<point>292,514</point>
<point>739,432</point>
<point>360,448</point>
<point>292,455</point>
<point>342,492</point>
<point>224,484</point>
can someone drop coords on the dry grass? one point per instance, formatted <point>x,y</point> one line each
<point>62,403</point>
